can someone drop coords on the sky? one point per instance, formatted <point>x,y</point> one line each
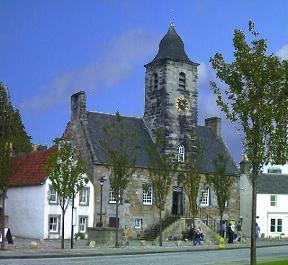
<point>52,49</point>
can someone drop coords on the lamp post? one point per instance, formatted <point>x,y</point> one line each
<point>101,181</point>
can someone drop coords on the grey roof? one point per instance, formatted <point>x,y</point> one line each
<point>212,147</point>
<point>212,144</point>
<point>172,47</point>
<point>96,122</point>
<point>272,184</point>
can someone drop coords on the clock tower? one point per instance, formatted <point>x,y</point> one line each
<point>171,94</point>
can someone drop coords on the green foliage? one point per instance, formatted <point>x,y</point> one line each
<point>161,167</point>
<point>191,175</point>
<point>255,100</point>
<point>66,171</point>
<point>120,158</point>
<point>221,182</point>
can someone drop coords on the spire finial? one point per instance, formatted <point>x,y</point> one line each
<point>171,20</point>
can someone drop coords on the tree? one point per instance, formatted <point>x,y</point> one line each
<point>161,167</point>
<point>191,177</point>
<point>13,138</point>
<point>120,159</point>
<point>66,172</point>
<point>255,99</point>
<point>221,183</point>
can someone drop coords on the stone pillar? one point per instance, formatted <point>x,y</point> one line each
<point>78,106</point>
<point>214,123</point>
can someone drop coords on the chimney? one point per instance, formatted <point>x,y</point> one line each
<point>215,124</point>
<point>78,106</point>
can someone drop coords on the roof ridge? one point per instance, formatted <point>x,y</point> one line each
<point>124,116</point>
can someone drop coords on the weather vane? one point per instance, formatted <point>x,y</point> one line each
<point>171,21</point>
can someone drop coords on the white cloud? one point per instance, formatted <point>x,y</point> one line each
<point>115,65</point>
<point>283,52</point>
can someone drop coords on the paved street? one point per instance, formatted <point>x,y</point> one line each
<point>223,257</point>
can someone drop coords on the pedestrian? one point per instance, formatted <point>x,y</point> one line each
<point>239,231</point>
<point>230,234</point>
<point>257,231</point>
<point>197,237</point>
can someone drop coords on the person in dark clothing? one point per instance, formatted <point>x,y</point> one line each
<point>230,234</point>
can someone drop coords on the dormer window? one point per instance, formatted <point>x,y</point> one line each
<point>182,80</point>
<point>155,81</point>
<point>181,153</point>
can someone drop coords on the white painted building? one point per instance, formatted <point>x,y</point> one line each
<point>272,201</point>
<point>32,205</point>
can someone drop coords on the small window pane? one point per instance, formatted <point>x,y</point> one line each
<point>279,225</point>
<point>204,197</point>
<point>272,226</point>
<point>147,194</point>
<point>138,223</point>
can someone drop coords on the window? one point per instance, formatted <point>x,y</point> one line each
<point>155,81</point>
<point>273,200</point>
<point>111,197</point>
<point>279,225</point>
<point>54,224</point>
<point>84,196</point>
<point>273,225</point>
<point>138,223</point>
<point>147,194</point>
<point>83,223</point>
<point>274,170</point>
<point>181,153</point>
<point>204,197</point>
<point>182,80</point>
<point>52,195</point>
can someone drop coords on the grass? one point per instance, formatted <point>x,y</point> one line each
<point>276,262</point>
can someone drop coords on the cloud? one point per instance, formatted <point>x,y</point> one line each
<point>283,52</point>
<point>116,64</point>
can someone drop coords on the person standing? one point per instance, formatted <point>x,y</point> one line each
<point>239,231</point>
<point>257,231</point>
<point>230,234</point>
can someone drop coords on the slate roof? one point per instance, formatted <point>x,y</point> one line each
<point>96,122</point>
<point>172,47</point>
<point>272,184</point>
<point>212,144</point>
<point>212,147</point>
<point>29,168</point>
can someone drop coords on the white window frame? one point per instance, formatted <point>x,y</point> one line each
<point>138,223</point>
<point>147,195</point>
<point>204,197</point>
<point>273,202</point>
<point>52,192</point>
<point>84,196</point>
<point>111,197</point>
<point>83,225</point>
<point>181,153</point>
<point>279,226</point>
<point>55,224</point>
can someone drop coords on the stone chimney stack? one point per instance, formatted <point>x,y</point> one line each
<point>78,106</point>
<point>215,124</point>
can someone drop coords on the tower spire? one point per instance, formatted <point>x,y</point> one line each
<point>171,18</point>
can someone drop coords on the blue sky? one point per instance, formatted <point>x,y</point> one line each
<point>51,49</point>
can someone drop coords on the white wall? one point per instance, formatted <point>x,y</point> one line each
<point>25,210</point>
<point>56,210</point>
<point>284,168</point>
<point>265,212</point>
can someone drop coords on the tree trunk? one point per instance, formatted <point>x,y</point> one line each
<point>117,226</point>
<point>160,227</point>
<point>63,228</point>
<point>72,221</point>
<point>253,220</point>
<point>2,224</point>
<point>222,233</point>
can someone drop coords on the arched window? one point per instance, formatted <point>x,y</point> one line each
<point>155,81</point>
<point>181,153</point>
<point>182,80</point>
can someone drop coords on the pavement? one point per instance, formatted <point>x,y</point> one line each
<point>22,248</point>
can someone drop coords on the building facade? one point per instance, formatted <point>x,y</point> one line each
<point>170,105</point>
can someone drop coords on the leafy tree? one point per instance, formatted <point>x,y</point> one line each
<point>191,177</point>
<point>255,99</point>
<point>13,138</point>
<point>66,172</point>
<point>120,160</point>
<point>161,167</point>
<point>221,183</point>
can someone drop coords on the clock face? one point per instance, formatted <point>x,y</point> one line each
<point>182,104</point>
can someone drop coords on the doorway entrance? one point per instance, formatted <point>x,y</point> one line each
<point>177,203</point>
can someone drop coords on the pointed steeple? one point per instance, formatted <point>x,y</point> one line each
<point>172,47</point>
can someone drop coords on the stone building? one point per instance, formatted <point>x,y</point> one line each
<point>170,104</point>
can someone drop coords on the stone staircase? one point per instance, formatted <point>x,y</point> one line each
<point>152,233</point>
